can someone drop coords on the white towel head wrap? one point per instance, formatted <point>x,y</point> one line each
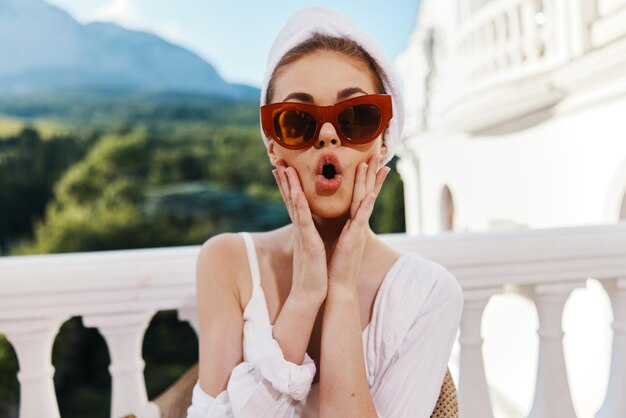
<point>303,25</point>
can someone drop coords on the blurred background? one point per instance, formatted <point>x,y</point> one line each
<point>134,124</point>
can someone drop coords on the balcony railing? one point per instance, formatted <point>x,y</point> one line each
<point>503,56</point>
<point>118,292</point>
<point>506,37</point>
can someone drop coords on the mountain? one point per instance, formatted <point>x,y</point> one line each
<point>44,49</point>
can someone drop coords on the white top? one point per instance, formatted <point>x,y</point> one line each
<point>407,345</point>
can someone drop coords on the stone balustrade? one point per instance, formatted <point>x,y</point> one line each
<point>118,292</point>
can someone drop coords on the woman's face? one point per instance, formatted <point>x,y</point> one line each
<point>324,78</point>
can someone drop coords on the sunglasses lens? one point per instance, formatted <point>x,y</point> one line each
<point>294,127</point>
<point>359,122</point>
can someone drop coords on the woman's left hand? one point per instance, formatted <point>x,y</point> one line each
<point>345,260</point>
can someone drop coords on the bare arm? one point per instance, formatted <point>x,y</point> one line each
<point>294,325</point>
<point>295,322</point>
<point>219,313</point>
<point>221,344</point>
<point>344,390</point>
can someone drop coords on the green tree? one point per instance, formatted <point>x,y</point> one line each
<point>29,168</point>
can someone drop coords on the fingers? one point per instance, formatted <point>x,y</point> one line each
<point>369,187</point>
<point>365,210</point>
<point>283,187</point>
<point>372,169</point>
<point>298,206</point>
<point>368,179</point>
<point>380,178</point>
<point>280,186</point>
<point>301,205</point>
<point>297,195</point>
<point>359,188</point>
<point>290,188</point>
<point>360,220</point>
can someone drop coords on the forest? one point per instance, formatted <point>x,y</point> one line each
<point>89,172</point>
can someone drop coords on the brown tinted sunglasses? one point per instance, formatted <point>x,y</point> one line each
<point>358,120</point>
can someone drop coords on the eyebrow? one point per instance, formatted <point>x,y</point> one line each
<point>345,93</point>
<point>304,97</point>
<point>341,94</point>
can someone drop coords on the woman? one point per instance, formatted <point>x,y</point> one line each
<point>321,317</point>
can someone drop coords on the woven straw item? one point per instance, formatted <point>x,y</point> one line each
<point>177,398</point>
<point>447,405</point>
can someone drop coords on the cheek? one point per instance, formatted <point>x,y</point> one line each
<point>291,157</point>
<point>372,148</point>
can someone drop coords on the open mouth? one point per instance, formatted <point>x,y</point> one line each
<point>328,174</point>
<point>328,166</point>
<point>329,171</point>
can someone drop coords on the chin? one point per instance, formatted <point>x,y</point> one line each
<point>331,210</point>
<point>330,205</point>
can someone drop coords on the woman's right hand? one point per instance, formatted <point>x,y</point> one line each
<point>310,276</point>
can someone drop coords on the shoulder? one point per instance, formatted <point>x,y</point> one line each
<point>221,244</point>
<point>224,248</point>
<point>220,259</point>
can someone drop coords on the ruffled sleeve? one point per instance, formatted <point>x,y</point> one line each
<point>265,384</point>
<point>266,356</point>
<point>204,405</point>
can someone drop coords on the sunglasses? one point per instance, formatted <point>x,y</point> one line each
<point>358,120</point>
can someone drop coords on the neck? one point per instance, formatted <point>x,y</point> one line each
<point>330,229</point>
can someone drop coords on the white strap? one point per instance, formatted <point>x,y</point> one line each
<point>252,260</point>
<point>257,290</point>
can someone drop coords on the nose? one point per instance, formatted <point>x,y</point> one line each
<point>328,136</point>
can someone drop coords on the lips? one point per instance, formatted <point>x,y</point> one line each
<point>328,175</point>
<point>328,163</point>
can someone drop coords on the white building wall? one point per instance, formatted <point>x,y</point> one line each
<point>548,159</point>
<point>555,174</point>
<point>521,112</point>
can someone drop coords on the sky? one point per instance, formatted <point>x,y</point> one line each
<point>235,36</point>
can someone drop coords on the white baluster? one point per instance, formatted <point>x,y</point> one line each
<point>578,29</point>
<point>502,34</point>
<point>123,334</point>
<point>552,394</point>
<point>530,34</point>
<point>32,341</point>
<point>474,401</point>
<point>472,58</point>
<point>558,32</point>
<point>515,40</point>
<point>614,405</point>
<point>548,22</point>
